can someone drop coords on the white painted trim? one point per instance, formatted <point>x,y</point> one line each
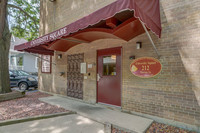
<point>36,62</point>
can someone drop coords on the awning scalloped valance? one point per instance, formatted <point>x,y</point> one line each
<point>82,30</point>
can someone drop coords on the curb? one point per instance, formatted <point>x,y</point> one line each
<point>16,121</point>
<point>12,95</point>
<point>123,130</point>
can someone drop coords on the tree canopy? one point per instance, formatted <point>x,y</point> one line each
<point>23,18</point>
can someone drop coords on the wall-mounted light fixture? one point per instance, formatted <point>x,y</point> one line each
<point>138,45</point>
<point>62,73</point>
<point>59,56</point>
<point>132,57</point>
<point>52,0</point>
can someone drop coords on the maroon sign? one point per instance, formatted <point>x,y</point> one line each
<point>145,67</point>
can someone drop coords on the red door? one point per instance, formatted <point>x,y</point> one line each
<point>109,76</point>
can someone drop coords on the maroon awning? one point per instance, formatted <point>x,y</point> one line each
<point>120,20</point>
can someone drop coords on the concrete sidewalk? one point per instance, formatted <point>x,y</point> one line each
<point>63,124</point>
<point>101,114</point>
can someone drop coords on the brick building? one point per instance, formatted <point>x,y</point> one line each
<point>173,96</point>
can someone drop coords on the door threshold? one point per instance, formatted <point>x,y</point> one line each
<point>110,106</point>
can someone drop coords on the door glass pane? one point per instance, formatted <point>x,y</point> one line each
<point>109,65</point>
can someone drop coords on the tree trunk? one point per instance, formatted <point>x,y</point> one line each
<point>4,48</point>
<point>4,68</point>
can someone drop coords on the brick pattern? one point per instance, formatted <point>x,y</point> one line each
<point>173,94</point>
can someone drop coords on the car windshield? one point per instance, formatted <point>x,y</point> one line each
<point>23,73</point>
<point>20,73</point>
<point>10,73</point>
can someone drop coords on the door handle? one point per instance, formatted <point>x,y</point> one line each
<point>98,77</point>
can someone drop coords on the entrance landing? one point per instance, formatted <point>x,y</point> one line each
<point>101,114</point>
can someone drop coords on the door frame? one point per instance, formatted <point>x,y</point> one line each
<point>120,77</point>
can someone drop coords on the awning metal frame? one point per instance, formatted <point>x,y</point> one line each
<point>41,58</point>
<point>151,40</point>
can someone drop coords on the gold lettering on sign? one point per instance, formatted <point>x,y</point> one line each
<point>141,63</point>
<point>151,63</point>
<point>145,67</point>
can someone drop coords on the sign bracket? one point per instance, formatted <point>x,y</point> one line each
<point>41,58</point>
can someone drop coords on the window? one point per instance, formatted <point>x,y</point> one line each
<point>10,73</point>
<point>20,61</point>
<point>46,64</point>
<point>13,61</point>
<point>109,65</point>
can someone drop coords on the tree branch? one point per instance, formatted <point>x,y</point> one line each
<point>16,7</point>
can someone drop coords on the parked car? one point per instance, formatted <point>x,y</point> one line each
<point>22,79</point>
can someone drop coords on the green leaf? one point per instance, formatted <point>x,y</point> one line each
<point>21,25</point>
